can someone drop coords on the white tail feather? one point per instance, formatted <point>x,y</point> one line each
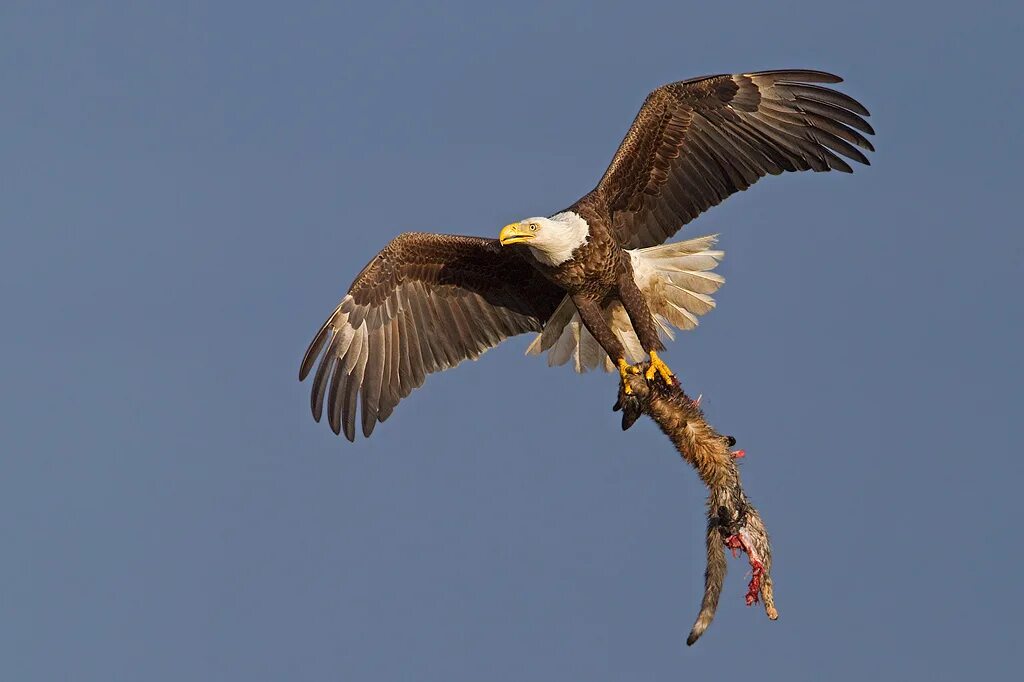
<point>677,281</point>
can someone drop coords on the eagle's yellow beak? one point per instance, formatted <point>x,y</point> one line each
<point>515,233</point>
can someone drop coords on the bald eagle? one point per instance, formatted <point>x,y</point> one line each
<point>596,281</point>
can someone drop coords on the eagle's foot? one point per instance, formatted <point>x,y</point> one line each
<point>625,369</point>
<point>659,368</point>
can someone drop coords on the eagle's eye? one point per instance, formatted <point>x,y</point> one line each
<point>533,226</point>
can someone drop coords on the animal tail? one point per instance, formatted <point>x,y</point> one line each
<point>676,279</point>
<point>714,578</point>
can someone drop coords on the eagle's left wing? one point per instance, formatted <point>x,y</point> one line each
<point>696,142</point>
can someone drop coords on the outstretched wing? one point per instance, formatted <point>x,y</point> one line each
<point>423,304</point>
<point>696,142</point>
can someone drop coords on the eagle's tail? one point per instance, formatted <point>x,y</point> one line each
<point>677,281</point>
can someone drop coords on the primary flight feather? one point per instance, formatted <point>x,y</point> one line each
<point>595,281</point>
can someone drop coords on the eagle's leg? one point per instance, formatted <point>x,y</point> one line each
<point>639,312</point>
<point>593,319</point>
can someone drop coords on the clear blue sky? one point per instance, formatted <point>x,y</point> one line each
<point>186,191</point>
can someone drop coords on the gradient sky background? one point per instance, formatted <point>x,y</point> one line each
<point>187,190</point>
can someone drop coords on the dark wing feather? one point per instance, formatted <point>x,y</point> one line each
<point>424,304</point>
<point>696,142</point>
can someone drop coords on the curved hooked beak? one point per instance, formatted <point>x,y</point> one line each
<point>515,233</point>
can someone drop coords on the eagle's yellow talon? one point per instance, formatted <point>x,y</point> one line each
<point>625,369</point>
<point>659,368</point>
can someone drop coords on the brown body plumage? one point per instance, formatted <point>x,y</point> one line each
<point>427,302</point>
<point>598,273</point>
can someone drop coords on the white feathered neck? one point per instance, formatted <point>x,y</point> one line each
<point>559,236</point>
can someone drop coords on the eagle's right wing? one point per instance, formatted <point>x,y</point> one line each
<point>423,304</point>
<point>698,141</point>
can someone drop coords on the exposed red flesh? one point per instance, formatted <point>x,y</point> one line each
<point>738,543</point>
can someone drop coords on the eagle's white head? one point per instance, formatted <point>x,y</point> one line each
<point>552,240</point>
